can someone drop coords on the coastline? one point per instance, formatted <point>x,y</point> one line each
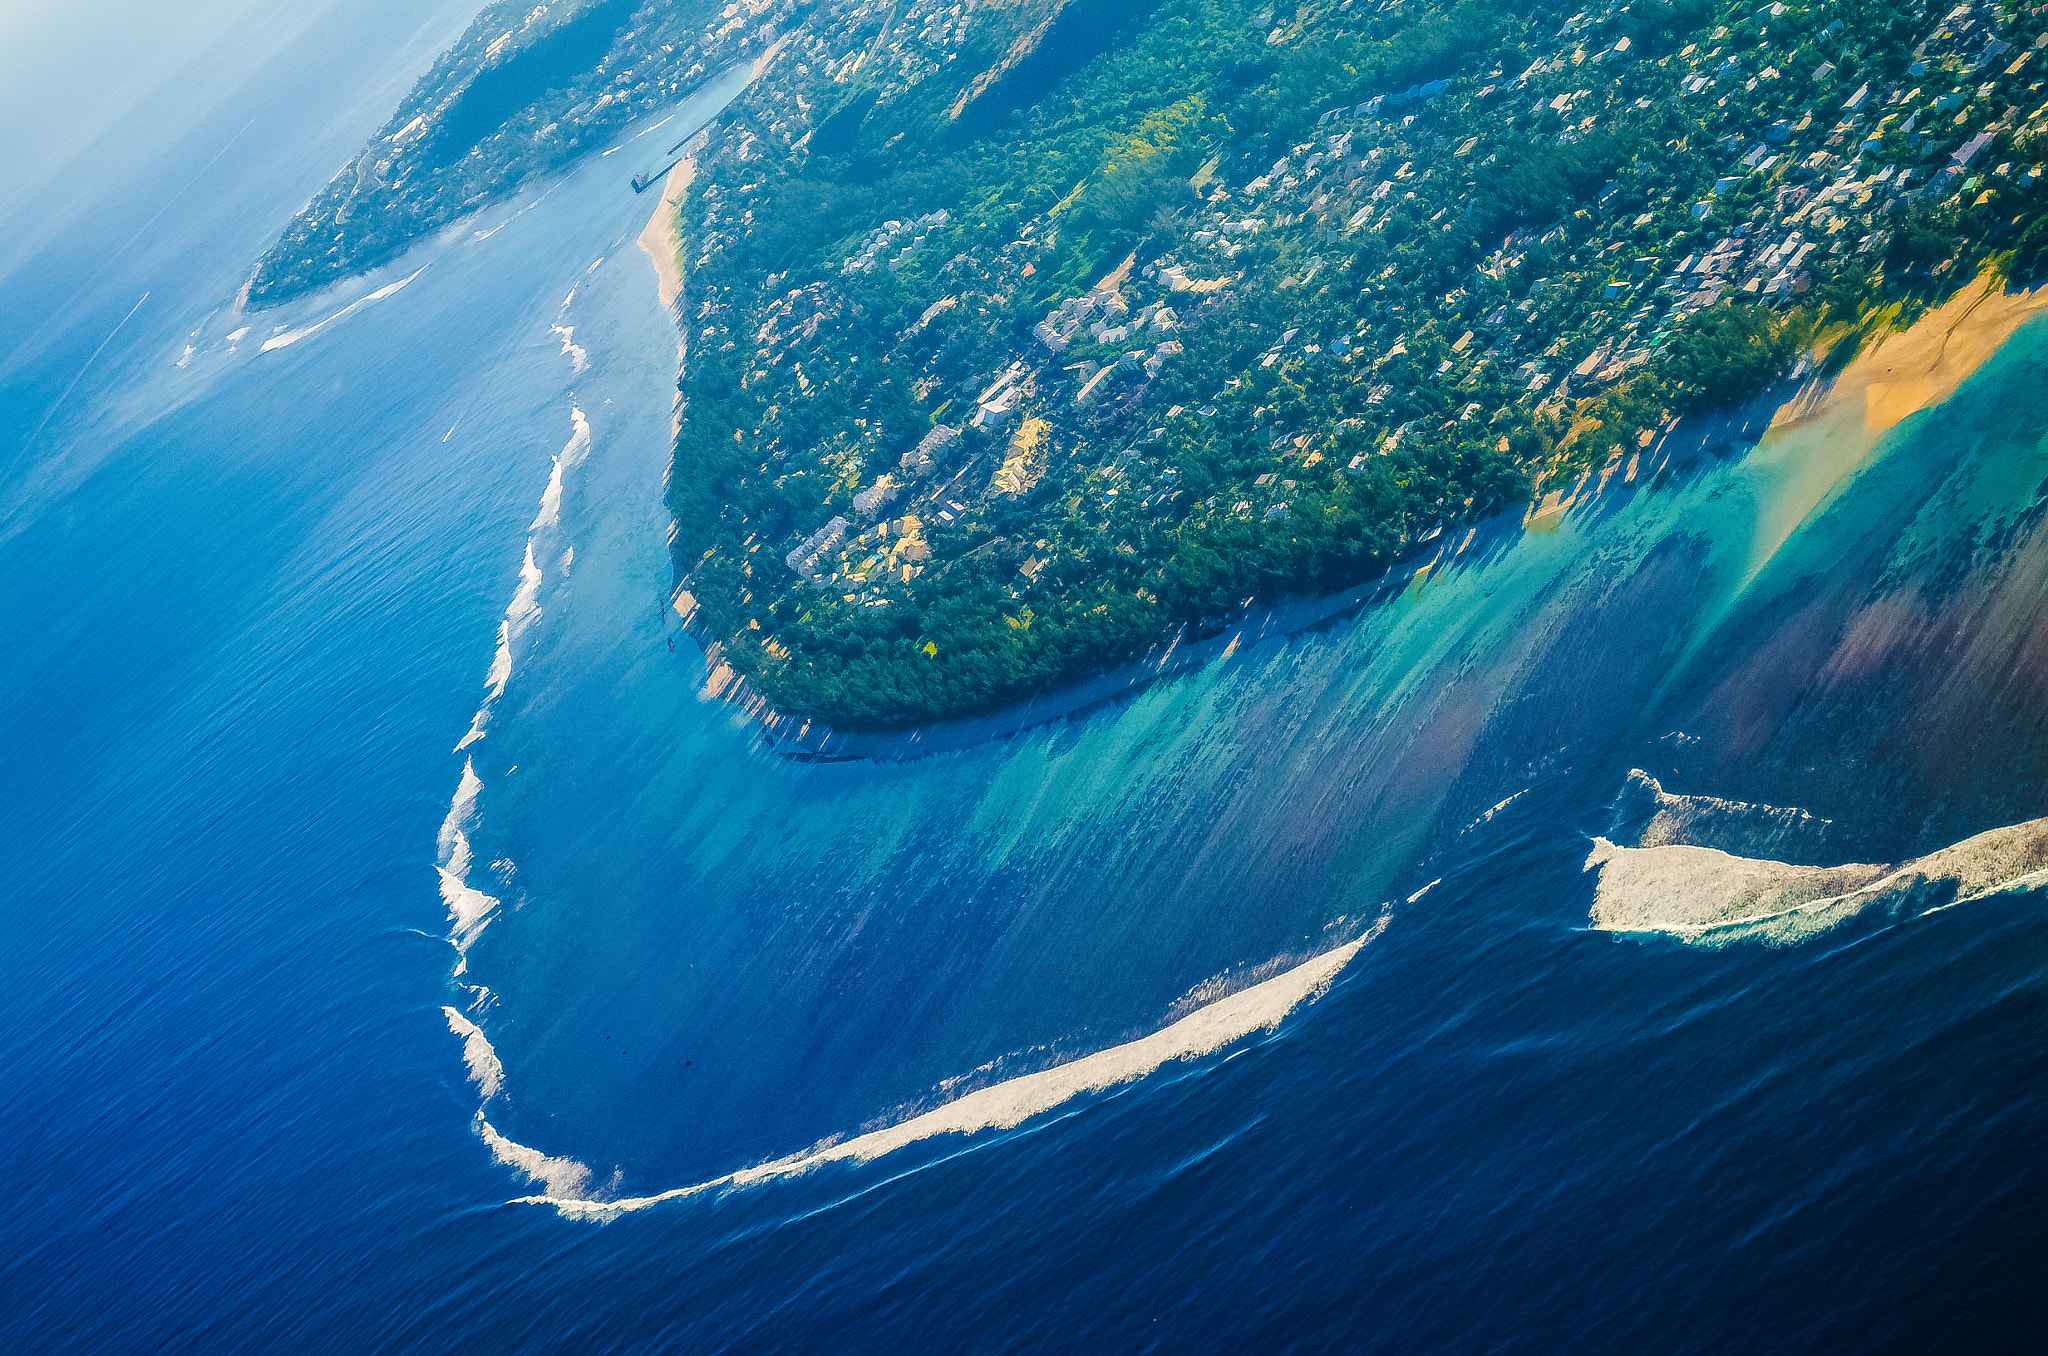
<point>810,741</point>
<point>658,239</point>
<point>1916,368</point>
<point>1905,372</point>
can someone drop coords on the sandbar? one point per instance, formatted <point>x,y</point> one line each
<point>1921,366</point>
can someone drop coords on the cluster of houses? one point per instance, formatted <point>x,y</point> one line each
<point>884,238</point>
<point>1557,310</point>
<point>1792,190</point>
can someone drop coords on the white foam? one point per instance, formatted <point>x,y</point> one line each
<point>451,840</point>
<point>571,456</point>
<point>1707,897</point>
<point>288,337</point>
<point>579,361</point>
<point>520,613</point>
<point>1008,1104</point>
<point>484,1069</point>
<point>564,1178</point>
<point>524,609</point>
<point>469,909</point>
<point>1495,810</point>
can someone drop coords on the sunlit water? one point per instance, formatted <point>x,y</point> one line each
<point>405,955</point>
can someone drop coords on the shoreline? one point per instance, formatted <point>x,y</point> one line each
<point>1905,372</point>
<point>810,741</point>
<point>658,238</point>
<point>1910,370</point>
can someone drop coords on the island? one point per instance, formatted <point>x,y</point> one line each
<point>527,89</point>
<point>1025,339</point>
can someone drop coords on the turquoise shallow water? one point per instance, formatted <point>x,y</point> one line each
<point>256,600</point>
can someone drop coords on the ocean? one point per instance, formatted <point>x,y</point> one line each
<point>1626,936</point>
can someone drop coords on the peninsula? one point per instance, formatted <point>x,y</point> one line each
<point>1023,339</point>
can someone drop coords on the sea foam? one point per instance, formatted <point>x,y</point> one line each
<point>469,908</point>
<point>288,337</point>
<point>524,609</point>
<point>1708,897</point>
<point>579,360</point>
<point>477,1053</point>
<point>1002,1106</point>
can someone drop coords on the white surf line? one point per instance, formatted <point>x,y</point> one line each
<point>1000,1107</point>
<point>290,337</point>
<point>579,361</point>
<point>469,908</point>
<point>524,609</point>
<point>484,1069</point>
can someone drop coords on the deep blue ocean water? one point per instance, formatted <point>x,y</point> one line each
<point>254,600</point>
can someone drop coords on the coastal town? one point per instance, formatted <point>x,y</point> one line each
<point>1023,339</point>
<point>1105,383</point>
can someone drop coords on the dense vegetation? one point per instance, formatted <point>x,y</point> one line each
<point>527,89</point>
<point>1010,358</point>
<point>1024,335</point>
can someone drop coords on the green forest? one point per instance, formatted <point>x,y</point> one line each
<point>1013,355</point>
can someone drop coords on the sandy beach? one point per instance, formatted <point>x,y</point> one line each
<point>1904,372</point>
<point>1921,366</point>
<point>659,236</point>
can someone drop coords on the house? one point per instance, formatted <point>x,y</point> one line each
<point>1092,387</point>
<point>995,412</point>
<point>919,459</point>
<point>804,559</point>
<point>870,501</point>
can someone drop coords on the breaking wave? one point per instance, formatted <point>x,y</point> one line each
<point>1649,816</point>
<point>524,609</point>
<point>579,360</point>
<point>469,908</point>
<point>290,337</point>
<point>1706,896</point>
<point>1002,1106</point>
<point>478,1054</point>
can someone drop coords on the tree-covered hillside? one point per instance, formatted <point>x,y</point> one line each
<point>529,88</point>
<point>1022,337</point>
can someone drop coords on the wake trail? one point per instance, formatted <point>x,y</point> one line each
<point>52,412</point>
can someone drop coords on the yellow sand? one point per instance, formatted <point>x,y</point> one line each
<point>659,237</point>
<point>1922,366</point>
<point>1904,372</point>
